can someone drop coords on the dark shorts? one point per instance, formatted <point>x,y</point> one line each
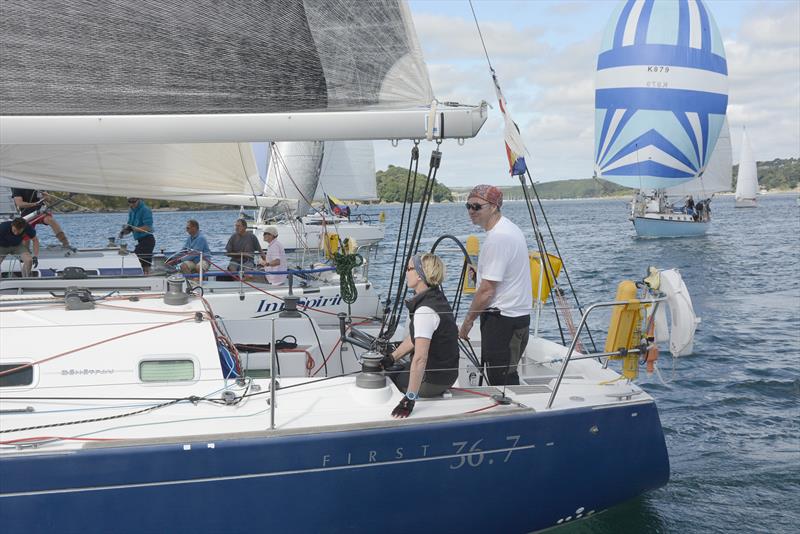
<point>144,250</point>
<point>426,389</point>
<point>503,340</point>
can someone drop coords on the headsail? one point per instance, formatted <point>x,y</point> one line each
<point>661,95</point>
<point>718,175</point>
<point>348,171</point>
<point>306,171</point>
<point>293,173</point>
<point>91,71</point>
<point>747,180</point>
<point>217,173</point>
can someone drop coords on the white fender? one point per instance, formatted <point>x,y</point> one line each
<point>682,317</point>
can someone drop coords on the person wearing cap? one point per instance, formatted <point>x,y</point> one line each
<point>503,300</point>
<point>241,248</point>
<point>140,222</point>
<point>432,337</point>
<point>276,256</point>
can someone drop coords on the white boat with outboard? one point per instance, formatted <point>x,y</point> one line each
<point>673,212</point>
<point>661,100</point>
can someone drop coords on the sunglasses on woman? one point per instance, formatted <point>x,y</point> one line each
<point>475,206</point>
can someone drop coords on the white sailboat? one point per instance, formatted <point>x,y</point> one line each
<point>663,213</point>
<point>139,401</point>
<point>747,180</point>
<point>660,111</point>
<point>316,171</point>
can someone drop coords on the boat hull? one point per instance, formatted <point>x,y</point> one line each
<point>745,203</point>
<point>522,471</point>
<point>650,227</point>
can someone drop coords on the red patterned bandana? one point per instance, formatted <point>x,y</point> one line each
<point>489,193</point>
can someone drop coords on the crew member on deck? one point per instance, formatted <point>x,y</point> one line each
<point>195,243</point>
<point>241,247</point>
<point>140,222</point>
<point>28,201</point>
<point>433,337</point>
<point>11,236</point>
<point>504,297</point>
<point>276,256</point>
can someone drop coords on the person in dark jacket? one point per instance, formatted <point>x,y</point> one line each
<point>433,337</point>
<point>12,235</point>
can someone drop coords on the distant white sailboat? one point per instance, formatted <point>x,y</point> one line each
<point>747,181</point>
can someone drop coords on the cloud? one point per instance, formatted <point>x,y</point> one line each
<point>456,38</point>
<point>549,85</point>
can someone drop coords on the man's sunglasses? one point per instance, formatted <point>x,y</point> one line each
<point>475,206</point>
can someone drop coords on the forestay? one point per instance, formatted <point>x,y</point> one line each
<point>661,95</point>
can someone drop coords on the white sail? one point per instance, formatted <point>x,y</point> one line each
<point>293,173</point>
<point>94,72</point>
<point>747,181</point>
<point>718,174</point>
<point>348,171</point>
<point>219,173</point>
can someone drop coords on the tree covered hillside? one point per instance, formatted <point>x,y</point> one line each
<point>392,186</point>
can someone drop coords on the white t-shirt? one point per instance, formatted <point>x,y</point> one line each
<point>426,321</point>
<point>504,259</point>
<point>276,252</point>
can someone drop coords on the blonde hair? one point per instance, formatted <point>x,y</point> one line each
<point>433,268</point>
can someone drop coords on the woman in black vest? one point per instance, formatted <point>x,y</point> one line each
<point>432,337</point>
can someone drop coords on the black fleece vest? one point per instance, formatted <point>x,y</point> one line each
<point>442,365</point>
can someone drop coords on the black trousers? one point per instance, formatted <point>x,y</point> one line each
<point>503,340</point>
<point>144,250</point>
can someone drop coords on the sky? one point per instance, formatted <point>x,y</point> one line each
<point>545,55</point>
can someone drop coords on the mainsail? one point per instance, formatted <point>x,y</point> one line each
<point>662,93</point>
<point>718,175</point>
<point>747,180</point>
<point>93,71</point>
<point>217,173</point>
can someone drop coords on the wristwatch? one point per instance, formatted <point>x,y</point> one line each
<point>410,395</point>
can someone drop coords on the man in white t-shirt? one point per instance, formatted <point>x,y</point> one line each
<point>276,256</point>
<point>504,298</point>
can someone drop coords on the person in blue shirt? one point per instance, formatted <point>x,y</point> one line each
<point>12,234</point>
<point>195,242</point>
<point>140,222</point>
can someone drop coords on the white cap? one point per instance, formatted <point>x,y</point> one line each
<point>271,230</point>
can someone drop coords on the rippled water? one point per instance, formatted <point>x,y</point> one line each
<point>730,411</point>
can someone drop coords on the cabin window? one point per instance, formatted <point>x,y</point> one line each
<point>166,370</point>
<point>22,377</point>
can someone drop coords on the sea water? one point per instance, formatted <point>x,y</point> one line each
<point>730,411</point>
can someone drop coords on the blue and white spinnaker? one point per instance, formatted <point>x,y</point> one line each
<point>661,93</point>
